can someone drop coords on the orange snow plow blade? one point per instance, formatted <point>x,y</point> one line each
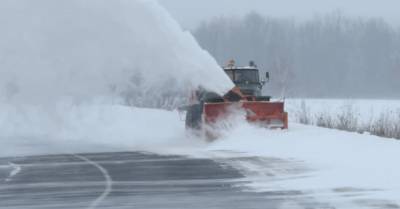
<point>266,114</point>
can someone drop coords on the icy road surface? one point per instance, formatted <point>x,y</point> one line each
<point>137,180</point>
<point>145,180</point>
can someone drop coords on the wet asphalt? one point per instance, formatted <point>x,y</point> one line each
<point>135,180</point>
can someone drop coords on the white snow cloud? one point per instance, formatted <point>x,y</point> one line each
<point>87,49</point>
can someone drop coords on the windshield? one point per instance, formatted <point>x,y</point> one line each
<point>230,74</point>
<point>243,75</point>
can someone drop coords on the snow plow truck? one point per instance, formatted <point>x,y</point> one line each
<point>208,108</point>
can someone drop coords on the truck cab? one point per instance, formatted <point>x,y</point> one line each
<point>247,79</point>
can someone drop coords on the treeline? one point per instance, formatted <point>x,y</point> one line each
<point>326,56</point>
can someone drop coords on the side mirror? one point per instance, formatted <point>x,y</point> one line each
<point>263,82</point>
<point>267,76</point>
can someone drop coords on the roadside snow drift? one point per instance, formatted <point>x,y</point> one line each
<point>347,170</point>
<point>69,128</point>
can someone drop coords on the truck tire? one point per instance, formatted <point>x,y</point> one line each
<point>194,116</point>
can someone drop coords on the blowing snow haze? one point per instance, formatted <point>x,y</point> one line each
<point>190,13</point>
<point>74,69</point>
<point>312,48</point>
<point>85,50</point>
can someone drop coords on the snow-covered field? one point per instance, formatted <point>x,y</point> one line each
<point>378,117</point>
<point>364,109</point>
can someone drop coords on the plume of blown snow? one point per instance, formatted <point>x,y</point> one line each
<point>86,50</point>
<point>67,65</point>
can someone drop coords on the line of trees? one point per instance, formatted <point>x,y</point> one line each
<point>327,56</point>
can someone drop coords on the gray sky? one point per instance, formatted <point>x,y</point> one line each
<point>190,12</point>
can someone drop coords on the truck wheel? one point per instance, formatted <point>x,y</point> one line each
<point>194,116</point>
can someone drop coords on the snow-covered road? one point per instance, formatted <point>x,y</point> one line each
<point>145,180</point>
<point>137,180</point>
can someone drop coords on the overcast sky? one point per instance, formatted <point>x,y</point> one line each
<point>191,12</point>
